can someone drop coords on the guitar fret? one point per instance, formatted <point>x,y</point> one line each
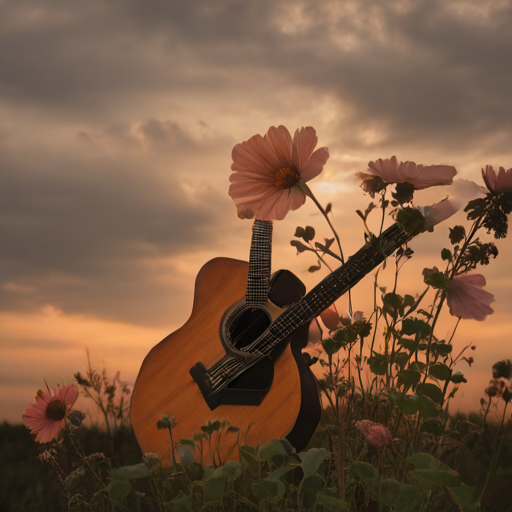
<point>259,263</point>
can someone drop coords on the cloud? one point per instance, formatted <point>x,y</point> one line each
<point>100,232</point>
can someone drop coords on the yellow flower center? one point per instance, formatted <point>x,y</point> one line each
<point>56,410</point>
<point>286,177</point>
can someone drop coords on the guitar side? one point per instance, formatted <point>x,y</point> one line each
<point>164,384</point>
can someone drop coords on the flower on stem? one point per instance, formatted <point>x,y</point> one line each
<point>467,299</point>
<point>349,319</point>
<point>47,415</point>
<point>269,170</point>
<point>381,172</point>
<point>497,184</point>
<point>375,433</point>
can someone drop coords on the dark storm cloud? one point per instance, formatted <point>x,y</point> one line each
<point>90,233</point>
<point>426,70</point>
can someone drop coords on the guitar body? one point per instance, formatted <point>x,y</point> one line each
<point>291,407</point>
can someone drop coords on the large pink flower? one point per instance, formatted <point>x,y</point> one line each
<point>268,171</point>
<point>500,183</point>
<point>467,299</point>
<point>47,416</point>
<point>390,171</point>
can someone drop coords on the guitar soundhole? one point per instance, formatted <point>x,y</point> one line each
<point>248,326</point>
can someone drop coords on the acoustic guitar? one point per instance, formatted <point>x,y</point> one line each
<point>239,356</point>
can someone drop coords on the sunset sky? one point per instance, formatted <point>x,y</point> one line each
<point>117,121</point>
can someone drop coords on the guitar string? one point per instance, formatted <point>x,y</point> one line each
<point>299,314</point>
<point>325,293</point>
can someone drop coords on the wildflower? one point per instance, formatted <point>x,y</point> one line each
<point>467,299</point>
<point>269,171</point>
<point>349,319</point>
<point>375,433</point>
<point>382,172</point>
<point>469,360</point>
<point>438,212</point>
<point>500,183</point>
<point>47,416</point>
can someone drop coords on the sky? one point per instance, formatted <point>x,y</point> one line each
<point>117,121</point>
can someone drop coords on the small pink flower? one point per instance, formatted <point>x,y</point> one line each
<point>467,299</point>
<point>348,319</point>
<point>500,183</point>
<point>47,416</point>
<point>390,171</point>
<point>330,318</point>
<point>375,433</point>
<point>268,171</point>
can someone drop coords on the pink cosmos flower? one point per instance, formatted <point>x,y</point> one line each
<point>347,319</point>
<point>390,171</point>
<point>467,299</point>
<point>500,183</point>
<point>375,433</point>
<point>47,416</point>
<point>268,172</point>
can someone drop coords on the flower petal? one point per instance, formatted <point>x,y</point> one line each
<point>467,299</point>
<point>304,142</point>
<point>314,166</point>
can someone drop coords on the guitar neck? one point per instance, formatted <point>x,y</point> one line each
<point>259,264</point>
<point>333,286</point>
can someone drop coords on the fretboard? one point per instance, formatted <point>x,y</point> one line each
<point>259,264</point>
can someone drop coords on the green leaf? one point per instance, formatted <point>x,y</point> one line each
<point>378,364</point>
<point>279,472</point>
<point>331,346</point>
<point>403,497</point>
<point>332,504</point>
<point>392,304</point>
<point>250,455</point>
<point>208,473</point>
<point>130,472</point>
<point>300,246</point>
<point>401,359</point>
<point>270,449</point>
<point>462,495</point>
<point>231,470</point>
<point>434,392</point>
<point>408,378</point>
<point>404,192</point>
<point>430,480</point>
<point>309,234</point>
<point>299,232</point>
<point>436,279</point>
<point>214,488</point>
<point>427,408</point>
<point>457,234</point>
<point>287,445</point>
<point>181,501</point>
<point>441,348</point>
<point>415,326</point>
<point>423,460</point>
<point>446,255</point>
<point>457,378</point>
<point>417,365</point>
<point>312,484</point>
<point>312,460</point>
<point>411,220</point>
<point>411,345</point>
<point>439,371</point>
<point>266,489</point>
<point>364,469</point>
<point>119,489</point>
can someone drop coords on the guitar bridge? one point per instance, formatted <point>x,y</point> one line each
<point>250,388</point>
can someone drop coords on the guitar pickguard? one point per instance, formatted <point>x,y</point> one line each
<point>252,385</point>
